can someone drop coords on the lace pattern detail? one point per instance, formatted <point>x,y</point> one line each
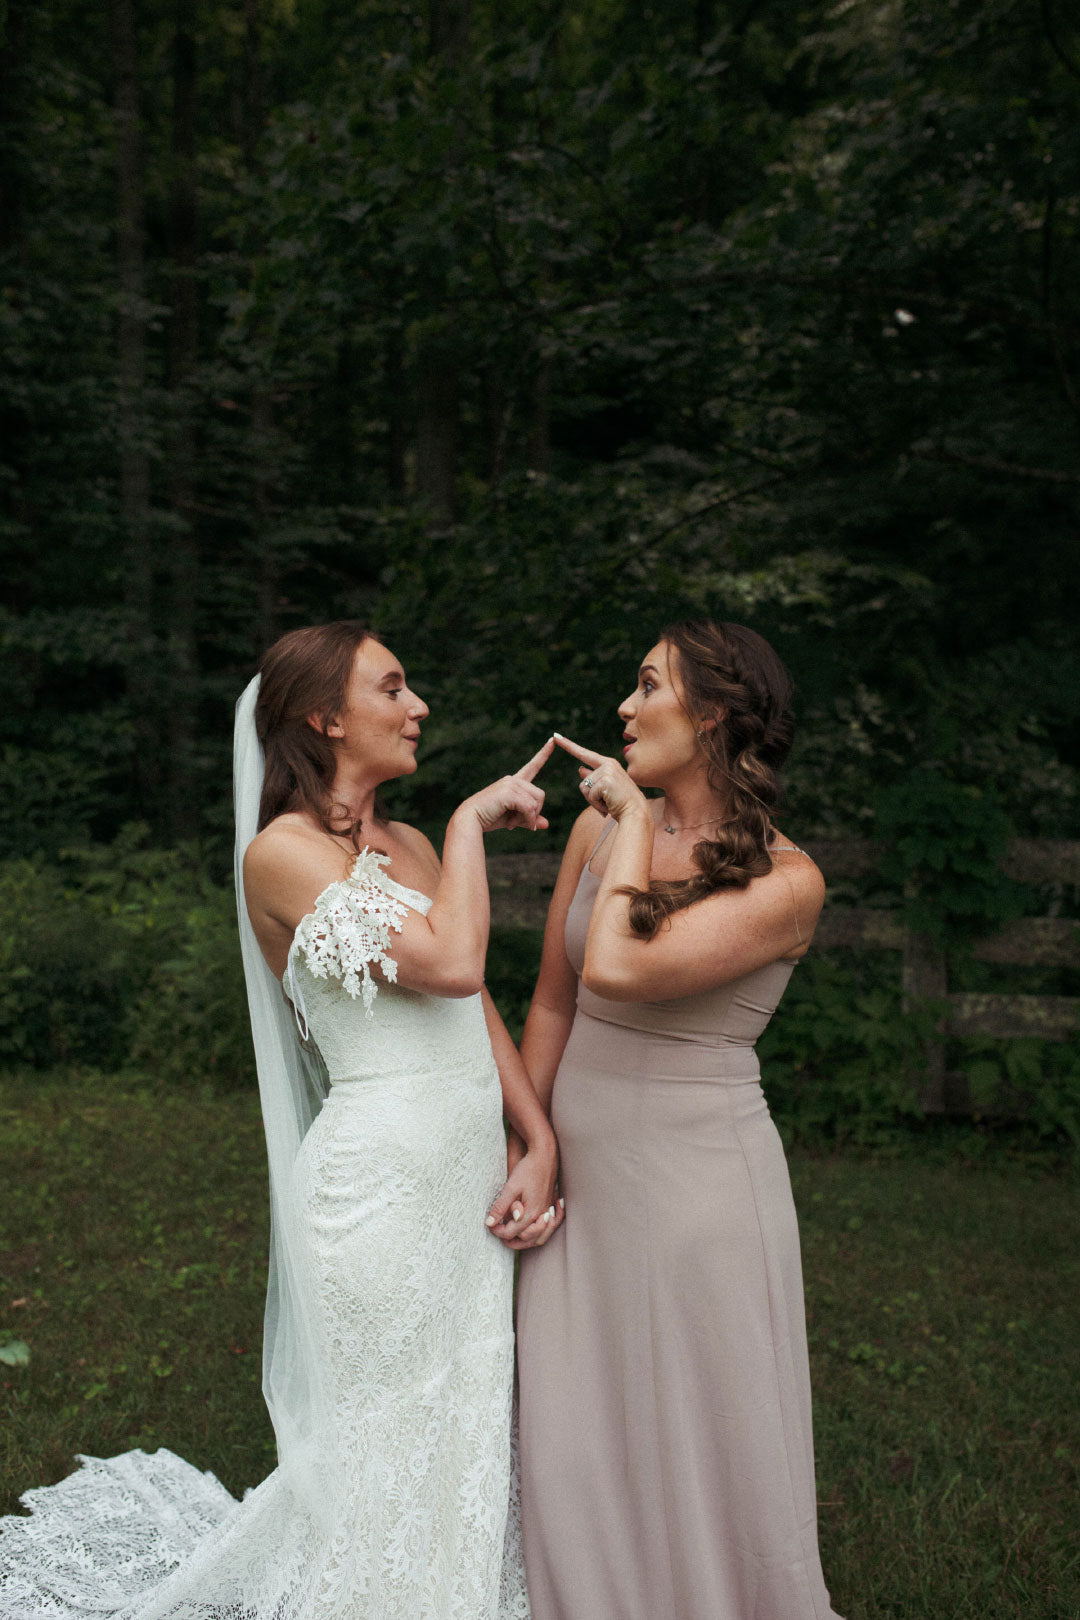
<point>410,1313</point>
<point>349,930</point>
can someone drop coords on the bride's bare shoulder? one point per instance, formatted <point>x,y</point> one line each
<point>417,863</point>
<point>412,839</point>
<point>291,854</point>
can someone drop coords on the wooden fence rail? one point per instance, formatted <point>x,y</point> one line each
<point>521,887</point>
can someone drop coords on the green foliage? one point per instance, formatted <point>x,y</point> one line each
<point>109,956</point>
<point>770,316</point>
<point>944,846</point>
<point>1041,1077</point>
<point>66,972</point>
<point>512,966</point>
<point>840,1060</point>
<point>190,1025</point>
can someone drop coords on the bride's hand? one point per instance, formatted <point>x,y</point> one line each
<point>604,783</point>
<point>512,801</point>
<point>528,1209</point>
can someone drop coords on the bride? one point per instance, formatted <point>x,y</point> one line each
<point>388,1353</point>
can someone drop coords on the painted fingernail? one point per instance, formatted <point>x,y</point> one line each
<point>562,1203</point>
<point>490,1221</point>
<point>518,1213</point>
<point>547,1215</point>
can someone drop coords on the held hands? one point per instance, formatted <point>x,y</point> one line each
<point>528,1209</point>
<point>604,783</point>
<point>513,801</point>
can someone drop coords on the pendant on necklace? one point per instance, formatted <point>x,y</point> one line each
<point>672,830</point>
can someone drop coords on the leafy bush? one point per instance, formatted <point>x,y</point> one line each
<point>122,954</point>
<point>945,842</point>
<point>66,972</point>
<point>191,1021</point>
<point>1040,1079</point>
<point>840,1061</point>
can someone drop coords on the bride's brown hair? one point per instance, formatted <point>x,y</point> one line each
<point>305,673</point>
<point>738,695</point>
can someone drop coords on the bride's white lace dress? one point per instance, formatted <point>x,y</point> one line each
<point>413,1305</point>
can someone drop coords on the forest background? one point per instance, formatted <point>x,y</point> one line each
<point>520,330</point>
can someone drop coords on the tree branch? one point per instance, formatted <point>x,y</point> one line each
<point>1055,45</point>
<point>1008,469</point>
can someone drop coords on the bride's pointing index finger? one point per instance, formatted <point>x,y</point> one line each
<point>587,756</point>
<point>539,759</point>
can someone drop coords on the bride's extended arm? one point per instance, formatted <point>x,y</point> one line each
<point>287,867</point>
<point>444,952</point>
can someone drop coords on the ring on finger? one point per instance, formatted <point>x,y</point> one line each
<point>587,784</point>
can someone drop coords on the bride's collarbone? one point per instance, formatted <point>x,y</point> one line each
<point>409,867</point>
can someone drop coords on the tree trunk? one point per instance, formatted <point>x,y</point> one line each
<point>448,30</point>
<point>14,112</point>
<point>15,42</point>
<point>134,461</point>
<point>437,431</point>
<point>539,446</point>
<point>267,573</point>
<point>396,429</point>
<point>254,81</point>
<point>438,394</point>
<point>183,661</point>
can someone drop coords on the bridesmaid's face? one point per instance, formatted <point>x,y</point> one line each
<point>379,728</point>
<point>660,740</point>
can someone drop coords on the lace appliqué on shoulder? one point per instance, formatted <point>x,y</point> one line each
<point>349,930</point>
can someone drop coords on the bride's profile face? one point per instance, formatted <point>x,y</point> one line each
<point>660,739</point>
<point>379,728</point>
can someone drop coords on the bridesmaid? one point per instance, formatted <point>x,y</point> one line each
<point>666,1441</point>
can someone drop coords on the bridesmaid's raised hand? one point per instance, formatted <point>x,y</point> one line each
<point>604,783</point>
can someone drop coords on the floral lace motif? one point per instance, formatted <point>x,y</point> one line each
<point>349,929</point>
<point>411,1318</point>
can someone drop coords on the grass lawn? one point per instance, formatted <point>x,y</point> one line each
<point>944,1329</point>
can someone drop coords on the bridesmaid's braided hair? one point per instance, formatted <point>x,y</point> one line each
<point>305,673</point>
<point>733,678</point>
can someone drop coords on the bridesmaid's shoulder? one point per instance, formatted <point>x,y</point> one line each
<point>801,871</point>
<point>585,831</point>
<point>584,835</point>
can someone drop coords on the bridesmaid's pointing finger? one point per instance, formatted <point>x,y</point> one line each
<point>586,755</point>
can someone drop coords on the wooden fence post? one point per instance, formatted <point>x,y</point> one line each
<point>926,978</point>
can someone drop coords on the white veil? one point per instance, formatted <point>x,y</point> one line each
<point>292,1087</point>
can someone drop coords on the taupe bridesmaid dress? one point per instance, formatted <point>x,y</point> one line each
<point>667,1462</point>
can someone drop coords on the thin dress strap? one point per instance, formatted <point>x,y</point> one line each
<point>792,849</point>
<point>610,822</point>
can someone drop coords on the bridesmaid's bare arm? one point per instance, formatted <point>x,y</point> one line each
<point>728,934</point>
<point>722,937</point>
<point>551,1012</point>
